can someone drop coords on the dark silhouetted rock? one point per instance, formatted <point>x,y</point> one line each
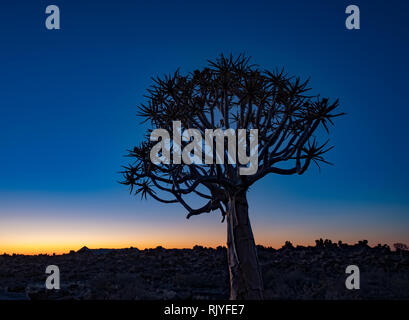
<point>302,272</point>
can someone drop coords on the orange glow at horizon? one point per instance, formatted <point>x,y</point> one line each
<point>36,236</point>
<point>36,231</point>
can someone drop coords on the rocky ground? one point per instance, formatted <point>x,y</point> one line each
<point>201,273</point>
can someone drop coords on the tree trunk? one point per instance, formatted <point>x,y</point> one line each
<point>246,282</point>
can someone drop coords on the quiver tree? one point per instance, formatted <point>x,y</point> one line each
<point>230,93</point>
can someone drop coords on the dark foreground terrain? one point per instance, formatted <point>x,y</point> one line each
<point>201,273</point>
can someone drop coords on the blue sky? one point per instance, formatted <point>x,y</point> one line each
<point>68,112</point>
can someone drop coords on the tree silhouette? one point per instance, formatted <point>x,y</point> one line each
<point>230,93</point>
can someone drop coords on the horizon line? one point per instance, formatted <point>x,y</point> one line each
<point>68,251</point>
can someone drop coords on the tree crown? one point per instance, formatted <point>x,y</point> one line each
<point>230,93</point>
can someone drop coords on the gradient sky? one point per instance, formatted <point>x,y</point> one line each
<point>67,114</point>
